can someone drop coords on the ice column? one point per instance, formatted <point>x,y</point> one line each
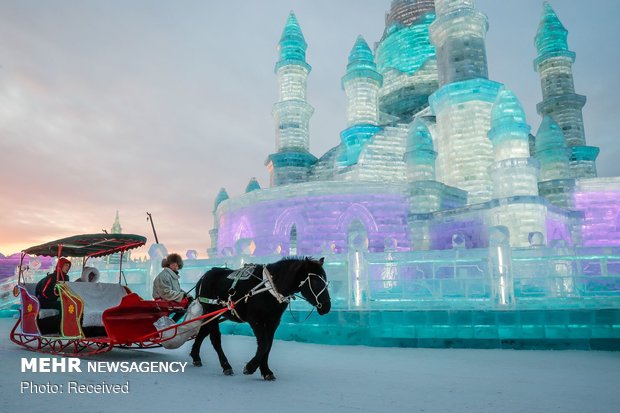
<point>221,197</point>
<point>500,261</point>
<point>463,102</point>
<point>554,64</point>
<point>361,84</point>
<point>292,112</point>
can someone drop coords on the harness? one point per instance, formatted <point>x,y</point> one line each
<point>266,284</point>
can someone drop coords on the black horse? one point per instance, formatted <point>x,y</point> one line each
<point>262,309</point>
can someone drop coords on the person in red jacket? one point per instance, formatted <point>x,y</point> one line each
<point>45,288</point>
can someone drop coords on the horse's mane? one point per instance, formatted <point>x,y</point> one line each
<point>296,258</point>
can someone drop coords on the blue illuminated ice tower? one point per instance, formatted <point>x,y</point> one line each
<point>463,102</point>
<point>292,112</point>
<point>406,60</point>
<point>361,84</point>
<point>554,65</point>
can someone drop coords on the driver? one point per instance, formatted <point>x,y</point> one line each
<point>166,285</point>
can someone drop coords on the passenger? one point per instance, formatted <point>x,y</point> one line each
<point>89,275</point>
<point>45,288</point>
<point>166,285</point>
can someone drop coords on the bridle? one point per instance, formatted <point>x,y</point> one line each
<point>316,295</point>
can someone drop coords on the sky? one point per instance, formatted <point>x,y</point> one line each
<point>153,106</point>
<point>320,378</point>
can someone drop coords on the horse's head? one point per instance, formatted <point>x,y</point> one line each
<point>313,285</point>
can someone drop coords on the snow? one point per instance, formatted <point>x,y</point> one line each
<point>321,378</point>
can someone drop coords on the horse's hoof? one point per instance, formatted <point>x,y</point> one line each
<point>229,372</point>
<point>197,363</point>
<point>269,377</point>
<point>247,371</point>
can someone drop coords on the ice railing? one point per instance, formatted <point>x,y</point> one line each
<point>536,277</point>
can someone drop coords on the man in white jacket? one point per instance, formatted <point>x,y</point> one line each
<point>166,285</point>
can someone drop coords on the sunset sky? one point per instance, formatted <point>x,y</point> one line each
<point>154,105</point>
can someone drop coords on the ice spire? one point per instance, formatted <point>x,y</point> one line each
<point>292,112</point>
<point>292,45</point>
<point>551,35</point>
<point>116,227</point>
<point>554,64</point>
<point>253,185</point>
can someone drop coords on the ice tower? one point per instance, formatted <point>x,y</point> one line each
<point>213,233</point>
<point>463,102</point>
<point>554,65</point>
<point>361,84</point>
<point>514,173</point>
<point>292,112</point>
<point>406,59</point>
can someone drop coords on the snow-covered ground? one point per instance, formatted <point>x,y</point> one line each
<point>320,378</point>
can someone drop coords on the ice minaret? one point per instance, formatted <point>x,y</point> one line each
<point>221,197</point>
<point>116,227</point>
<point>292,112</point>
<point>406,59</point>
<point>514,172</point>
<point>463,103</point>
<point>552,152</point>
<point>361,84</point>
<point>554,65</point>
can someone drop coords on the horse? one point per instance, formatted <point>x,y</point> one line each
<point>261,295</point>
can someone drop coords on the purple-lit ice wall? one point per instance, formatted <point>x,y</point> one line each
<point>599,199</point>
<point>311,218</point>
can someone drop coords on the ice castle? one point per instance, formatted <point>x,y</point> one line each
<point>438,202</point>
<point>435,154</point>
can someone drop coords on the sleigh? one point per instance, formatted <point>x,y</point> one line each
<point>93,317</point>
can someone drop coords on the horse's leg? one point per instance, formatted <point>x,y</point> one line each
<point>216,342</point>
<point>195,353</point>
<point>270,332</point>
<point>259,332</point>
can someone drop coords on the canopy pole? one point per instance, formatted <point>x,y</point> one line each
<point>149,217</point>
